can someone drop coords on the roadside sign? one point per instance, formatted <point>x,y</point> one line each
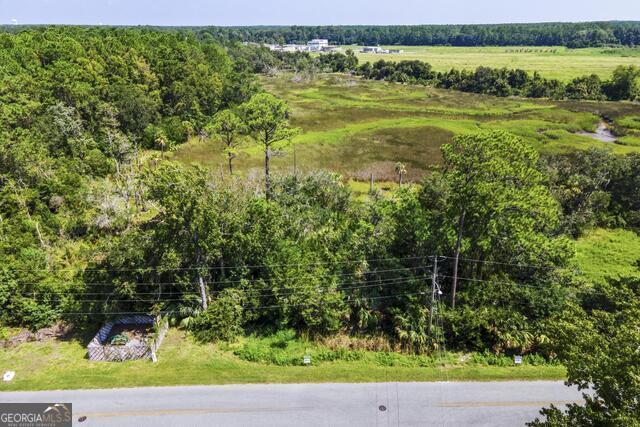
<point>8,376</point>
<point>517,360</point>
<point>307,359</point>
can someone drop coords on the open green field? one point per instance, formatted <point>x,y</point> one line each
<point>357,127</point>
<point>606,253</point>
<point>62,364</point>
<point>550,61</point>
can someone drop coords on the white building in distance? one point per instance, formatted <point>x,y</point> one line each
<point>379,50</point>
<point>372,49</point>
<point>318,45</point>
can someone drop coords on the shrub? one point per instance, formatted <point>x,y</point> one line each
<point>176,130</point>
<point>487,358</point>
<point>282,349</point>
<point>385,358</point>
<point>223,319</point>
<point>285,349</point>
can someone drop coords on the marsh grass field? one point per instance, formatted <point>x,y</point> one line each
<point>358,127</point>
<point>608,253</point>
<point>550,61</point>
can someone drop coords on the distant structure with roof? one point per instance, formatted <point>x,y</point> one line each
<point>315,45</point>
<point>318,45</point>
<point>379,50</point>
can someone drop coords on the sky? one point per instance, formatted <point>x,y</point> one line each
<point>301,12</point>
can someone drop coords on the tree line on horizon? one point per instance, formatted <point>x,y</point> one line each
<point>568,34</point>
<point>572,35</point>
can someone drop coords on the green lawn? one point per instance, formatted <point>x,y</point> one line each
<point>62,364</point>
<point>606,253</point>
<point>550,61</point>
<point>357,127</point>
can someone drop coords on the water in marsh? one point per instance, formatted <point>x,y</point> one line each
<point>602,133</point>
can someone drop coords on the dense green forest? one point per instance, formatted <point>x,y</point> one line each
<point>78,107</point>
<point>573,35</point>
<point>95,222</point>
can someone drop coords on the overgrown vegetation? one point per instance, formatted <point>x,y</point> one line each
<point>608,253</point>
<point>599,344</point>
<point>551,62</point>
<point>359,127</point>
<point>97,220</point>
<point>623,84</point>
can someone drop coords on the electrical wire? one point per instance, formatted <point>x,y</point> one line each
<point>544,267</point>
<point>266,280</point>
<point>339,286</point>
<point>497,282</point>
<point>245,307</point>
<point>257,266</point>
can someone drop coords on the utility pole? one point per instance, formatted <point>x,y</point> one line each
<point>434,287</point>
<point>454,285</point>
<point>371,183</point>
<point>201,285</point>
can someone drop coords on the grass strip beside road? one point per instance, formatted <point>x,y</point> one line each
<point>60,364</point>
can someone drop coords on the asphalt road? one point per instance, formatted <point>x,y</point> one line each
<point>377,404</point>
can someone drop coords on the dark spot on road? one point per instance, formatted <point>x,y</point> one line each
<point>82,419</point>
<point>382,408</point>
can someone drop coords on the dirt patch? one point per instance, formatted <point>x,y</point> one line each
<point>57,330</point>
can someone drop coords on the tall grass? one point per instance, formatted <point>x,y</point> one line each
<point>552,61</point>
<point>603,253</point>
<point>366,127</point>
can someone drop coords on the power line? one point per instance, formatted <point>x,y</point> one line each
<point>378,281</point>
<point>245,307</point>
<point>503,263</point>
<point>106,270</point>
<point>131,300</point>
<point>287,291</point>
<point>266,280</point>
<point>496,282</point>
<point>35,293</point>
<point>111,313</point>
<point>365,298</point>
